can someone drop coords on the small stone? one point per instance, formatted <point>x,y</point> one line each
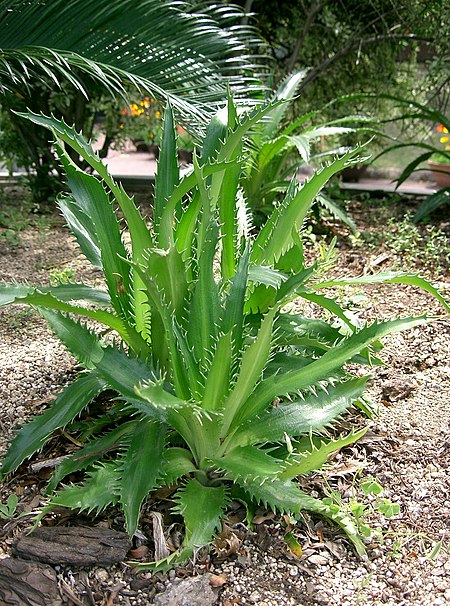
<point>195,591</point>
<point>102,574</point>
<point>293,571</point>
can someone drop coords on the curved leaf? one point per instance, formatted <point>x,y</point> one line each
<point>388,278</point>
<point>324,367</point>
<point>142,467</point>
<point>94,450</point>
<point>284,496</point>
<point>249,464</point>
<point>202,508</point>
<point>311,460</point>
<point>100,490</point>
<point>432,203</point>
<point>64,409</point>
<point>296,418</point>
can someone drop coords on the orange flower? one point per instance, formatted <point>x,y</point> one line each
<point>124,112</point>
<point>441,129</point>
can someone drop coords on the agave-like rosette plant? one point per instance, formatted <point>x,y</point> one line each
<point>211,371</point>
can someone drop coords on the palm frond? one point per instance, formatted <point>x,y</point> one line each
<point>172,49</point>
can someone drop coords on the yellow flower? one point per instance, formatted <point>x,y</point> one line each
<point>157,114</point>
<point>444,139</point>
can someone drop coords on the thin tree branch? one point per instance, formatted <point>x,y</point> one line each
<point>314,9</point>
<point>353,44</point>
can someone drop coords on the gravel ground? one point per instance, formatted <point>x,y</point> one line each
<point>407,450</point>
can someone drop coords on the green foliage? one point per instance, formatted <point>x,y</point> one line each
<point>85,59</point>
<point>358,46</point>
<point>408,111</point>
<point>278,150</point>
<point>8,509</point>
<point>410,244</point>
<point>217,383</point>
<point>363,510</point>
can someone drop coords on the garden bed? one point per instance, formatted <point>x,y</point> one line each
<point>407,449</point>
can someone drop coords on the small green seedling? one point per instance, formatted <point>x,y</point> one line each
<point>8,509</point>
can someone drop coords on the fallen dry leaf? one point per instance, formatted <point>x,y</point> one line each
<point>263,517</point>
<point>227,542</point>
<point>138,553</point>
<point>218,580</point>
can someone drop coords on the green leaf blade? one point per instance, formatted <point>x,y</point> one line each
<point>68,405</point>
<point>142,466</point>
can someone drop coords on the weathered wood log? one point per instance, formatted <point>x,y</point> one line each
<point>25,583</point>
<point>80,546</point>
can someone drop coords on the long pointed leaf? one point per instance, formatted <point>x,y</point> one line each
<point>294,419</point>
<point>312,460</point>
<point>168,173</point>
<point>68,405</point>
<point>141,469</point>
<point>324,367</point>
<point>202,508</point>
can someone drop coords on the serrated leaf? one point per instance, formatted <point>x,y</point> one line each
<point>324,367</point>
<point>142,466</point>
<point>68,405</point>
<point>91,198</point>
<point>292,329</point>
<point>9,293</point>
<point>168,173</point>
<point>93,451</point>
<point>217,382</point>
<point>313,459</point>
<point>45,301</point>
<point>388,278</point>
<point>100,490</point>
<point>253,361</point>
<point>205,309</point>
<point>284,496</point>
<point>276,237</point>
<point>82,228</point>
<point>249,463</point>
<point>202,508</point>
<point>233,314</point>
<point>313,413</point>
<point>176,463</point>
<point>258,274</point>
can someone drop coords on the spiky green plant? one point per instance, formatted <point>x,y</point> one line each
<point>278,148</point>
<point>210,369</point>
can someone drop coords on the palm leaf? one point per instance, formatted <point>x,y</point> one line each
<point>114,42</point>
